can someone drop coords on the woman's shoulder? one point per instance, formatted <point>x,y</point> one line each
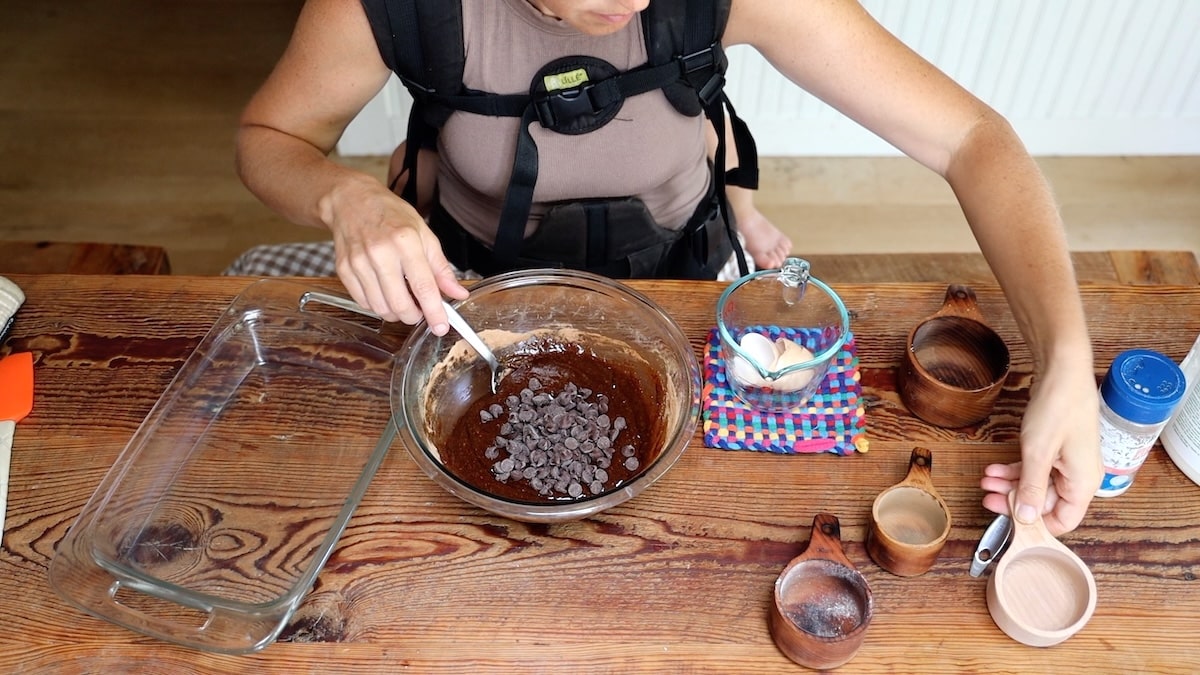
<point>754,21</point>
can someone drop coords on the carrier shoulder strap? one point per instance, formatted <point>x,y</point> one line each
<point>421,41</point>
<point>691,31</point>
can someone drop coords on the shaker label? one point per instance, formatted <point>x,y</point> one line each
<point>1121,451</point>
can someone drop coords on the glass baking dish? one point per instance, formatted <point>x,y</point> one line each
<point>215,520</point>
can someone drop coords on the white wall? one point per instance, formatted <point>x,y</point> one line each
<point>1075,77</point>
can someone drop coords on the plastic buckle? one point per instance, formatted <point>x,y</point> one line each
<point>711,59</point>
<point>698,61</point>
<point>415,88</point>
<point>563,106</point>
<point>711,89</point>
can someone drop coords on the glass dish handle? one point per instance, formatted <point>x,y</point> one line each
<point>338,302</point>
<point>194,624</point>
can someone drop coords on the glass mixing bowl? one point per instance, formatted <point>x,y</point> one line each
<point>441,384</point>
<point>780,330</point>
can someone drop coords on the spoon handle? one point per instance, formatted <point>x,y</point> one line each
<point>1028,535</point>
<point>464,329</point>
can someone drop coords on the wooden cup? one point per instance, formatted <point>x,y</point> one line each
<point>955,365</point>
<point>910,521</point>
<point>1041,593</point>
<point>823,605</point>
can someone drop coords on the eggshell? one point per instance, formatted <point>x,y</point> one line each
<point>791,353</point>
<point>762,350</point>
<point>746,373</point>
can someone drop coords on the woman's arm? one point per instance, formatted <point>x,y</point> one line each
<point>835,50</point>
<point>329,71</point>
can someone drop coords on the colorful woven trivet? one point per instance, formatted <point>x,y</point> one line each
<point>834,419</point>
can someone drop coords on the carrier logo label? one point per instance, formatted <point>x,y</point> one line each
<point>567,80</point>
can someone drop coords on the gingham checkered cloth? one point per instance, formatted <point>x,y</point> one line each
<point>317,258</point>
<point>300,259</point>
<point>834,419</point>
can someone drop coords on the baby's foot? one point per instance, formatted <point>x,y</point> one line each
<point>767,244</point>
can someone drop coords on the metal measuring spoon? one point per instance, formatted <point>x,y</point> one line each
<point>992,545</point>
<point>459,324</point>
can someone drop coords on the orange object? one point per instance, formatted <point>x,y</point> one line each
<point>16,400</point>
<point>16,386</point>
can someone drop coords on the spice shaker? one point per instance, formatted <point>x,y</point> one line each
<point>1138,395</point>
<point>1181,436</point>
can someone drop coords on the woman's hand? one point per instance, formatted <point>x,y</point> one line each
<point>387,257</point>
<point>1060,468</point>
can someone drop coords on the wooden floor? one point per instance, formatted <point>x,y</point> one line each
<point>117,120</point>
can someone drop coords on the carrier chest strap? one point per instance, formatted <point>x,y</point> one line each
<point>558,110</point>
<point>554,105</point>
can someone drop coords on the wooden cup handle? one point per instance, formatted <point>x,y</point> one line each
<point>826,541</point>
<point>960,300</point>
<point>920,470</point>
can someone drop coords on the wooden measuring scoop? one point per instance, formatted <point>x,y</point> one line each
<point>1040,593</point>
<point>955,365</point>
<point>823,605</point>
<point>910,521</point>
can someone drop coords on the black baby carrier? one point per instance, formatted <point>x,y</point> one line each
<point>422,42</point>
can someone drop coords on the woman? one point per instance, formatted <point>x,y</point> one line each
<point>391,262</point>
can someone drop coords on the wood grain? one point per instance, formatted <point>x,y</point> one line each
<point>1127,267</point>
<point>678,579</point>
<point>56,257</point>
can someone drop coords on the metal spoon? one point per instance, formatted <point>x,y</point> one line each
<point>992,545</point>
<point>464,329</point>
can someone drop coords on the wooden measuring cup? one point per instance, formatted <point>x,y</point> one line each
<point>1040,593</point>
<point>910,521</point>
<point>823,605</point>
<point>954,365</point>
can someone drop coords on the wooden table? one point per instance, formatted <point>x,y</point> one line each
<point>677,580</point>
<point>1141,268</point>
<point>61,257</point>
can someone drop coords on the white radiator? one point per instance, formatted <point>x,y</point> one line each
<point>1075,77</point>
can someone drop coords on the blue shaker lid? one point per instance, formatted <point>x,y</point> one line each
<point>1143,386</point>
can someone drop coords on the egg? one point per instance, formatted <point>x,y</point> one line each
<point>774,357</point>
<point>791,353</point>
<point>762,351</point>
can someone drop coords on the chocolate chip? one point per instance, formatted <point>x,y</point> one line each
<point>561,442</point>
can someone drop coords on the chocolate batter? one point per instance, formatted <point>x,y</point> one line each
<point>633,392</point>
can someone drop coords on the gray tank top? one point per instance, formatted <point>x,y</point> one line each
<point>649,151</point>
